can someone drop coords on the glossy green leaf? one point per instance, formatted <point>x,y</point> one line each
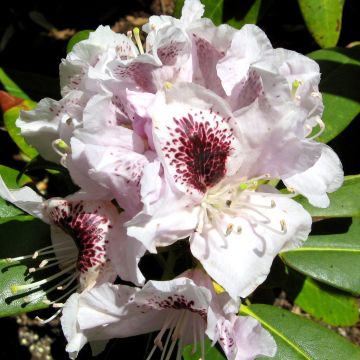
<point>344,202</point>
<point>10,117</point>
<point>10,304</point>
<point>8,211</point>
<point>213,9</point>
<point>19,238</point>
<point>331,259</point>
<point>325,303</point>
<point>323,20</point>
<point>251,16</point>
<point>10,177</point>
<point>341,94</point>
<point>210,352</point>
<point>11,87</point>
<point>79,36</point>
<point>298,338</point>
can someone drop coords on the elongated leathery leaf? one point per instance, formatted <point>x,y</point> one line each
<point>323,19</point>
<point>298,338</point>
<point>324,302</point>
<point>332,259</point>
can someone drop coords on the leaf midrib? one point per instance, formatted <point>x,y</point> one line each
<point>247,311</point>
<point>331,249</point>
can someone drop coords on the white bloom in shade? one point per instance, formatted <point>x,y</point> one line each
<point>187,306</point>
<point>210,161</point>
<point>83,232</point>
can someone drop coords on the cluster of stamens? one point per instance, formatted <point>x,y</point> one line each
<point>63,282</point>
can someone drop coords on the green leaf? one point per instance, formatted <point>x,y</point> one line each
<point>11,87</point>
<point>341,94</point>
<point>298,338</point>
<point>323,20</point>
<point>10,117</point>
<point>10,177</point>
<point>331,259</point>
<point>15,274</point>
<point>344,202</point>
<point>79,36</point>
<point>19,238</point>
<point>252,15</point>
<point>210,352</point>
<point>325,303</point>
<point>8,211</point>
<point>213,10</point>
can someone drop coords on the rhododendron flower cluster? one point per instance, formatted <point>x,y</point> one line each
<point>188,138</point>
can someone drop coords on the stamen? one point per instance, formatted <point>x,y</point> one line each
<point>283,225</point>
<point>16,288</point>
<point>61,147</point>
<point>136,32</point>
<point>166,343</point>
<point>322,128</point>
<point>42,322</point>
<point>295,85</point>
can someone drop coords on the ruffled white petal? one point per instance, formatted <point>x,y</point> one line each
<point>326,175</point>
<point>75,338</point>
<point>238,251</point>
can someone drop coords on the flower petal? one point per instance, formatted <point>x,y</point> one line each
<point>193,137</point>
<point>326,175</point>
<point>238,252</point>
<point>243,338</point>
<point>76,339</point>
<point>248,45</point>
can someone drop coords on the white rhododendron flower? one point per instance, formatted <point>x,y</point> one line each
<point>86,241</point>
<point>188,307</point>
<point>197,141</point>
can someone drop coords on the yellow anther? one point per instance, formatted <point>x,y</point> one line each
<point>168,85</point>
<point>295,85</point>
<point>218,289</point>
<point>136,33</point>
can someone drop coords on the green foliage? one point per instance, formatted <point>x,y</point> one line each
<point>252,16</point>
<point>11,87</point>
<point>299,338</point>
<point>331,259</point>
<point>344,202</point>
<point>325,303</point>
<point>323,19</point>
<point>20,237</point>
<point>10,117</point>
<point>8,211</point>
<point>79,36</point>
<point>341,94</point>
<point>15,94</point>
